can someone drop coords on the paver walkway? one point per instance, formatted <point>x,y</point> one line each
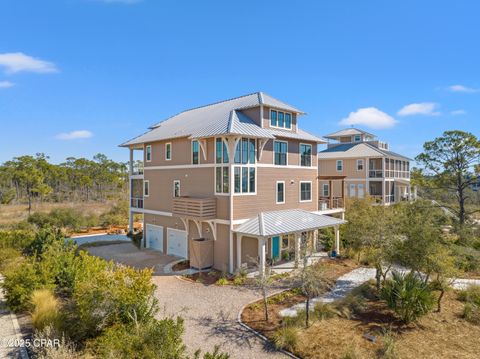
<point>210,314</point>
<point>9,331</point>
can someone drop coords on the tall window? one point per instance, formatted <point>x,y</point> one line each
<point>325,190</point>
<point>168,151</point>
<point>280,119</point>
<point>305,191</point>
<point>280,149</point>
<point>222,173</point>
<point>339,165</point>
<point>280,190</point>
<point>221,152</point>
<point>195,152</point>
<point>176,188</point>
<point>359,165</point>
<point>244,176</point>
<point>148,153</point>
<point>146,188</point>
<point>305,155</point>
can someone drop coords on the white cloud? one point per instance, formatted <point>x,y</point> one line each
<point>461,88</point>
<point>458,112</point>
<point>6,84</point>
<point>74,135</point>
<point>14,62</point>
<point>423,108</point>
<point>371,117</point>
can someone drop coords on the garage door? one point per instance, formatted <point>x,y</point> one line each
<point>177,242</point>
<point>155,237</point>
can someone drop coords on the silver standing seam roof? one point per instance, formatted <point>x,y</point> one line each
<point>267,224</point>
<point>222,118</point>
<point>348,132</point>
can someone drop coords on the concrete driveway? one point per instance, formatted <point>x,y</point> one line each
<point>127,253</point>
<point>210,314</point>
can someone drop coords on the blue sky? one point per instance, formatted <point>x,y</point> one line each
<point>78,77</point>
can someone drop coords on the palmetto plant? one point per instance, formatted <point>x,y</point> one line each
<point>408,296</point>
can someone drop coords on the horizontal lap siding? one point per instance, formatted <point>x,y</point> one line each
<point>329,168</point>
<point>181,152</point>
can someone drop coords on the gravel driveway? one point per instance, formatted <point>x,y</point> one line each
<point>210,314</point>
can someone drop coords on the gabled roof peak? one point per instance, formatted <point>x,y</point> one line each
<point>348,132</point>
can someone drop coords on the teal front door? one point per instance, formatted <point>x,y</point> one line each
<point>276,247</point>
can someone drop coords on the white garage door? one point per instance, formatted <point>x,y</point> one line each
<point>155,237</point>
<point>177,242</point>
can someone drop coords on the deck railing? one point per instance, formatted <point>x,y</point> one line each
<point>324,203</point>
<point>375,173</point>
<point>201,208</point>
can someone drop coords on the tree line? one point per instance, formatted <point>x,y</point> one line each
<point>28,178</point>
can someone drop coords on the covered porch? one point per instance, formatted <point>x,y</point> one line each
<point>282,235</point>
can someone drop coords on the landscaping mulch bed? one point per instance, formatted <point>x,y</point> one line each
<point>181,266</point>
<point>206,277</point>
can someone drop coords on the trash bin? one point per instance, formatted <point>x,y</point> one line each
<point>201,256</point>
<point>334,254</point>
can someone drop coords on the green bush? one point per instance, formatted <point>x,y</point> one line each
<point>7,255</point>
<point>471,313</point>
<point>222,281</point>
<point>408,296</point>
<point>467,258</point>
<point>117,216</point>
<point>44,238</point>
<point>68,218</point>
<point>470,294</point>
<point>16,238</point>
<point>324,311</point>
<point>287,338</point>
<point>46,309</point>
<point>155,339</point>
<point>354,302</point>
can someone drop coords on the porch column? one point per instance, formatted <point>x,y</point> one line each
<point>383,180</point>
<point>262,253</point>
<point>330,190</point>
<point>130,222</point>
<point>337,240</point>
<point>343,193</point>
<point>297,248</point>
<point>130,172</point>
<point>315,239</point>
<point>239,251</point>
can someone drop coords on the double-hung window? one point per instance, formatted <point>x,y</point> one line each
<point>148,153</point>
<point>168,151</point>
<point>280,192</point>
<point>244,172</point>
<point>195,152</point>
<point>305,191</point>
<point>176,188</point>
<point>305,155</point>
<point>339,165</point>
<point>222,172</point>
<point>146,188</point>
<point>280,153</point>
<point>325,190</point>
<point>359,165</point>
<point>280,119</point>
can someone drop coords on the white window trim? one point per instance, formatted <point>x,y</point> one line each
<point>363,164</point>
<point>166,145</point>
<point>353,138</point>
<point>148,147</point>
<point>336,165</point>
<point>191,152</point>
<point>146,182</point>
<point>323,190</point>
<point>284,112</point>
<point>274,153</point>
<point>300,154</point>
<point>276,192</point>
<point>179,188</point>
<point>233,180</point>
<point>300,191</point>
<point>225,165</point>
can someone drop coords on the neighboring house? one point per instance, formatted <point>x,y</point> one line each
<point>367,166</point>
<point>240,172</point>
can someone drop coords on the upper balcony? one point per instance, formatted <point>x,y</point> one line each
<point>195,208</point>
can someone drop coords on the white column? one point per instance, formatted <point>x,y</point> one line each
<point>130,172</point>
<point>297,248</point>
<point>315,239</point>
<point>239,251</point>
<point>262,253</point>
<point>337,240</point>
<point>343,215</point>
<point>383,180</point>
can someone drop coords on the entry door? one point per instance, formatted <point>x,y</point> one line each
<point>361,192</point>
<point>155,237</point>
<point>276,247</point>
<point>177,243</point>
<point>352,190</point>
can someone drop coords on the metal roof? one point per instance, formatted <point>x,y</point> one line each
<point>360,149</point>
<point>267,224</point>
<point>221,118</point>
<point>348,132</point>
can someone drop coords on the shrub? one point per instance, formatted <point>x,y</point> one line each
<point>354,302</point>
<point>324,311</point>
<point>16,238</point>
<point>471,294</point>
<point>408,296</point>
<point>388,349</point>
<point>46,309</point>
<point>65,350</point>
<point>239,280</point>
<point>287,338</point>
<point>467,258</point>
<point>117,216</point>
<point>222,281</point>
<point>7,255</point>
<point>44,238</point>
<point>471,313</point>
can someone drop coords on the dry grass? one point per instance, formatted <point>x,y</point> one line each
<point>10,214</point>
<point>45,309</point>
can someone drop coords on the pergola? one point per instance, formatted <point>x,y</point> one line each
<point>294,221</point>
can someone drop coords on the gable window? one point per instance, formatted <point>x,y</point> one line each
<point>245,151</point>
<point>195,152</point>
<point>339,165</point>
<point>305,155</point>
<point>357,138</point>
<point>325,190</point>
<point>146,188</point>
<point>148,153</point>
<point>359,165</point>
<point>305,191</point>
<point>280,119</point>
<point>280,191</point>
<point>176,188</point>
<point>280,149</point>
<point>221,152</point>
<point>168,151</point>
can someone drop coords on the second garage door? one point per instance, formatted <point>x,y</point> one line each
<point>177,243</point>
<point>155,237</point>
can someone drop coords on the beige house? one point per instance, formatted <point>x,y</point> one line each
<point>240,174</point>
<point>367,166</point>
